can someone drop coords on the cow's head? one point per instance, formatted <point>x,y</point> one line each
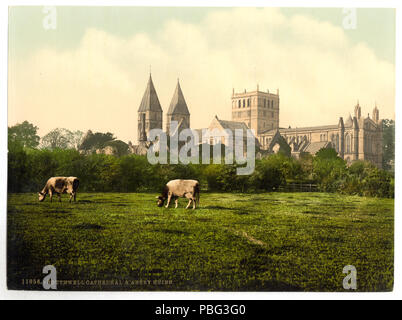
<point>41,196</point>
<point>161,201</point>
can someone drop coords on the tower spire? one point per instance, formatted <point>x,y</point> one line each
<point>178,110</point>
<point>149,112</point>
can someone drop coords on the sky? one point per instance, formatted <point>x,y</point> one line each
<point>91,70</point>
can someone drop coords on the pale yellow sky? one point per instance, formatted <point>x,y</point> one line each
<point>97,83</point>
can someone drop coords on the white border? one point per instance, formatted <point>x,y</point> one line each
<point>6,294</point>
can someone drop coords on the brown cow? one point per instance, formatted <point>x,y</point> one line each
<point>60,185</point>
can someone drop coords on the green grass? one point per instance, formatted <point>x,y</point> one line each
<point>233,242</point>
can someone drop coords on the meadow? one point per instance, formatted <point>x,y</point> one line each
<point>232,242</point>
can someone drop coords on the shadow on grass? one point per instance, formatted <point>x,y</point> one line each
<point>239,211</point>
<point>218,208</point>
<point>88,226</point>
<point>169,231</point>
<point>56,211</point>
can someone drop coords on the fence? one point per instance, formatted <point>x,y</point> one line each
<point>298,187</point>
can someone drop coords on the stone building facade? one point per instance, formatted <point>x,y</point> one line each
<point>357,138</point>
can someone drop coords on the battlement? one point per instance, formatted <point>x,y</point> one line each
<point>257,92</point>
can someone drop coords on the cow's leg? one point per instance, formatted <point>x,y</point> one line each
<point>176,202</point>
<point>190,198</point>
<point>168,200</point>
<point>194,201</point>
<point>51,195</point>
<point>75,196</point>
<point>189,202</point>
<point>71,196</point>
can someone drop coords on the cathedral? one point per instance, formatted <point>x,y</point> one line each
<point>357,138</point>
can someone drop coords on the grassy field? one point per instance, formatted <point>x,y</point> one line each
<point>233,242</point>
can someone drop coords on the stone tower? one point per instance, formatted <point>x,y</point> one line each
<point>149,112</point>
<point>258,110</point>
<point>178,111</point>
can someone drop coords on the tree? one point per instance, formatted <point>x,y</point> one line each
<point>24,134</point>
<point>328,169</point>
<point>18,168</point>
<point>306,164</point>
<point>327,154</point>
<point>93,141</point>
<point>268,174</point>
<point>61,138</point>
<point>388,143</point>
<point>58,138</point>
<point>76,139</point>
<point>120,148</point>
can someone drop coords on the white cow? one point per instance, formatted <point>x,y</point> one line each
<point>60,185</point>
<point>189,189</point>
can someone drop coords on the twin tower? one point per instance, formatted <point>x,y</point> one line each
<point>150,113</point>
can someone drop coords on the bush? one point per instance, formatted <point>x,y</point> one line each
<point>29,169</point>
<point>268,174</point>
<point>328,170</point>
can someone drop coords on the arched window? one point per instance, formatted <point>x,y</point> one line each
<point>265,103</point>
<point>239,103</point>
<point>347,143</point>
<point>248,102</point>
<point>244,103</point>
<point>351,142</point>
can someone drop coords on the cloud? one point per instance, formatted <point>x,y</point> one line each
<point>99,84</point>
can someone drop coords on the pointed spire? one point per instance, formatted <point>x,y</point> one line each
<point>178,104</point>
<point>150,101</point>
<point>376,113</point>
<point>341,123</point>
<point>358,110</point>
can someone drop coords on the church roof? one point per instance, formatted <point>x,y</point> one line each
<point>150,101</point>
<point>178,104</point>
<point>232,125</point>
<point>314,147</point>
<point>300,129</point>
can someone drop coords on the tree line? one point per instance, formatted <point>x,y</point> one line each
<point>29,167</point>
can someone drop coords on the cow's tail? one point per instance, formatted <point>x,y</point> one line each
<point>197,193</point>
<point>76,183</point>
